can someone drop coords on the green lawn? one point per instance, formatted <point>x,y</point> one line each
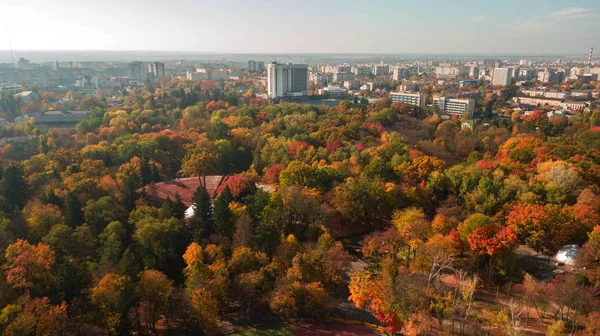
<point>277,330</point>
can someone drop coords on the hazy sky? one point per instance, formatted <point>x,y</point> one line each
<point>304,26</point>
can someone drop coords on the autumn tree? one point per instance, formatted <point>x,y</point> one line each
<point>39,317</point>
<point>153,291</point>
<point>413,227</point>
<point>29,266</point>
<point>112,295</point>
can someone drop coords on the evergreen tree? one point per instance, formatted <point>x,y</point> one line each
<point>72,210</point>
<point>174,208</point>
<point>223,218</point>
<point>43,147</point>
<point>178,207</point>
<point>13,188</point>
<point>201,224</point>
<point>129,195</point>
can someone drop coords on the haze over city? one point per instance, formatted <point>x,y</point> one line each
<point>239,26</point>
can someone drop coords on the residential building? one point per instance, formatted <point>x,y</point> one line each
<point>553,102</point>
<point>502,76</point>
<point>138,71</point>
<point>256,66</point>
<point>454,106</point>
<point>547,76</point>
<point>219,74</point>
<point>198,75</point>
<point>445,70</point>
<point>157,69</point>
<point>22,119</point>
<point>410,98</point>
<point>61,117</point>
<point>492,63</point>
<point>548,94</point>
<point>583,94</point>
<point>28,96</point>
<point>525,62</point>
<point>351,84</point>
<point>527,74</point>
<point>24,64</point>
<point>402,72</point>
<point>464,82</point>
<point>381,70</point>
<point>287,80</point>
<point>367,87</point>
<point>473,72</point>
<point>319,77</point>
<point>362,70</point>
<point>343,76</point>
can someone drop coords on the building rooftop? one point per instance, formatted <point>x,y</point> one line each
<point>185,187</point>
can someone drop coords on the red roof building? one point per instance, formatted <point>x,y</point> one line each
<point>185,187</point>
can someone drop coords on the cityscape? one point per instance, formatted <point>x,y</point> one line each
<point>282,168</point>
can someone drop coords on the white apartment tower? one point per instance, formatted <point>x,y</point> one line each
<point>287,80</point>
<point>502,76</point>
<point>157,69</point>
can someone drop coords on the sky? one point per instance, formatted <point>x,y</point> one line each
<point>303,26</point>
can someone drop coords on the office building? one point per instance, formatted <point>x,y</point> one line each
<point>333,91</point>
<point>502,76</point>
<point>256,66</point>
<point>414,99</point>
<point>287,80</point>
<point>157,69</point>
<point>453,106</point>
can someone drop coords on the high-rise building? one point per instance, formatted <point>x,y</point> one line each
<point>256,66</point>
<point>157,69</point>
<point>381,70</point>
<point>401,72</point>
<point>502,76</point>
<point>453,106</point>
<point>287,80</point>
<point>414,99</point>
<point>24,64</point>
<point>138,71</point>
<point>492,63</point>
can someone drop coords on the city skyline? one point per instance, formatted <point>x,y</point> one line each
<point>435,27</point>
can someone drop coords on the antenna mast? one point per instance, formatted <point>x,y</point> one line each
<point>12,55</point>
<point>590,58</point>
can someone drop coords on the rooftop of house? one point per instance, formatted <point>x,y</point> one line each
<point>185,187</point>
